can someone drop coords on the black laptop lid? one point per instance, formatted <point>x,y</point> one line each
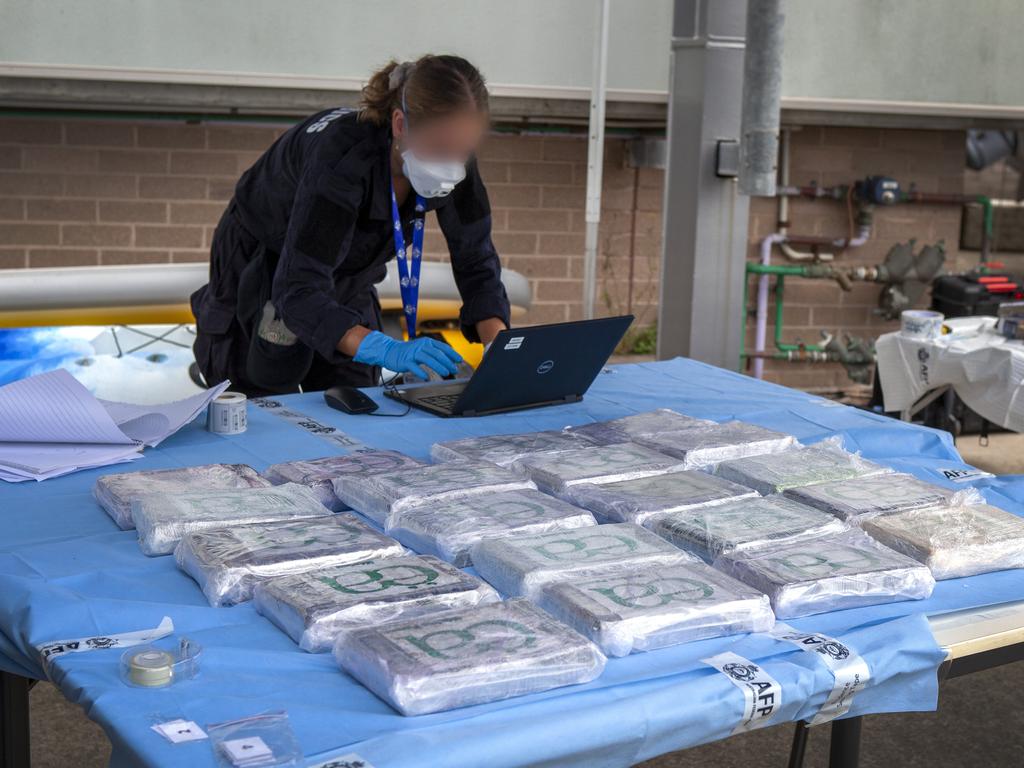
<point>542,364</point>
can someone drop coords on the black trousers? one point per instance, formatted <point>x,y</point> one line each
<point>227,310</point>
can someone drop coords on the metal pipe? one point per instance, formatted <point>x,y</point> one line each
<point>761,320</point>
<point>780,345</point>
<point>595,160</point>
<point>762,98</point>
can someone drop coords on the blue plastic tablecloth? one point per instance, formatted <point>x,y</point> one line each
<point>66,571</point>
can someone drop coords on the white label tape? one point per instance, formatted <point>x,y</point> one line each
<point>314,427</point>
<point>123,640</point>
<point>849,670</point>
<point>961,474</point>
<point>762,694</point>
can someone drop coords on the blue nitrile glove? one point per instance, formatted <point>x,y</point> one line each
<point>407,356</point>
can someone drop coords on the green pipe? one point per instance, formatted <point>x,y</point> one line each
<point>779,343</point>
<point>781,271</point>
<point>988,214</point>
<point>797,270</point>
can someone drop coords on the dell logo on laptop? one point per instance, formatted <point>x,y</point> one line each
<point>546,366</point>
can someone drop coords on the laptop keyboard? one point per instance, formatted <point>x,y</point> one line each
<point>441,401</point>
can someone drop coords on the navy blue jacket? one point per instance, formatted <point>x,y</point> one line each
<point>320,196</point>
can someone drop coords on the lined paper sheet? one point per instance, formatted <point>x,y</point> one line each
<point>54,407</point>
<point>51,425</point>
<point>150,424</point>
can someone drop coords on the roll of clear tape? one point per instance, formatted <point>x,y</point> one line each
<point>227,414</point>
<point>147,666</point>
<point>150,668</point>
<point>921,323</point>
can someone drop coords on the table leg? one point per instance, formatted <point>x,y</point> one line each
<point>844,749</point>
<point>796,752</point>
<point>14,733</point>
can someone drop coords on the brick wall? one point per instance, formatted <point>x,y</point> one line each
<point>933,161</point>
<point>78,192</point>
<point>86,191</point>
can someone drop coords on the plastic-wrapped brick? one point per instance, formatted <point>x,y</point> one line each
<point>743,524</point>
<point>523,565</point>
<point>115,492</point>
<point>627,428</point>
<point>228,563</point>
<point>954,541</point>
<point>555,472</point>
<point>702,446</point>
<point>778,472</point>
<point>313,608</point>
<point>448,529</point>
<point>467,656</point>
<point>828,573</point>
<point>506,449</point>
<point>162,520</point>
<point>634,501</point>
<point>873,495</point>
<point>628,610</point>
<point>381,497</point>
<point>316,474</point>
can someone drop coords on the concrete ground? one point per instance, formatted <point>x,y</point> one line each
<point>976,724</point>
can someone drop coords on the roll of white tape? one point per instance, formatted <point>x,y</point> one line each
<point>921,323</point>
<point>226,415</point>
<point>151,668</point>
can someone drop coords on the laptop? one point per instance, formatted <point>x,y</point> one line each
<point>525,368</point>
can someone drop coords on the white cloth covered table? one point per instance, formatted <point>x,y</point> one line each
<point>985,369</point>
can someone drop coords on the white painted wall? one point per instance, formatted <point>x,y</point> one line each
<point>939,52</point>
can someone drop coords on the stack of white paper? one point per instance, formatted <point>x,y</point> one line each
<point>51,425</point>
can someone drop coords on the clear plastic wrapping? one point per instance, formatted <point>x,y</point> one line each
<point>750,523</point>
<point>701,446</point>
<point>873,495</point>
<point>266,740</point>
<point>555,472</point>
<point>468,656</point>
<point>623,430</point>
<point>228,563</point>
<point>162,519</point>
<point>634,501</point>
<point>448,529</point>
<point>523,565</point>
<point>828,573</point>
<point>954,541</point>
<point>316,474</point>
<point>777,472</point>
<point>116,492</point>
<point>628,610</point>
<point>313,608</point>
<point>381,497</point>
<point>506,449</point>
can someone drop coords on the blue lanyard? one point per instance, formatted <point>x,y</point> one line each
<point>409,267</point>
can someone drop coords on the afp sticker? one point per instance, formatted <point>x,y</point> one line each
<point>762,694</point>
<point>961,474</point>
<point>849,671</point>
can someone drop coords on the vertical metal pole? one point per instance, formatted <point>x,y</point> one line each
<point>844,747</point>
<point>14,721</point>
<point>704,249</point>
<point>595,160</point>
<point>762,98</point>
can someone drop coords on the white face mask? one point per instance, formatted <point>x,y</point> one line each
<point>431,178</point>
